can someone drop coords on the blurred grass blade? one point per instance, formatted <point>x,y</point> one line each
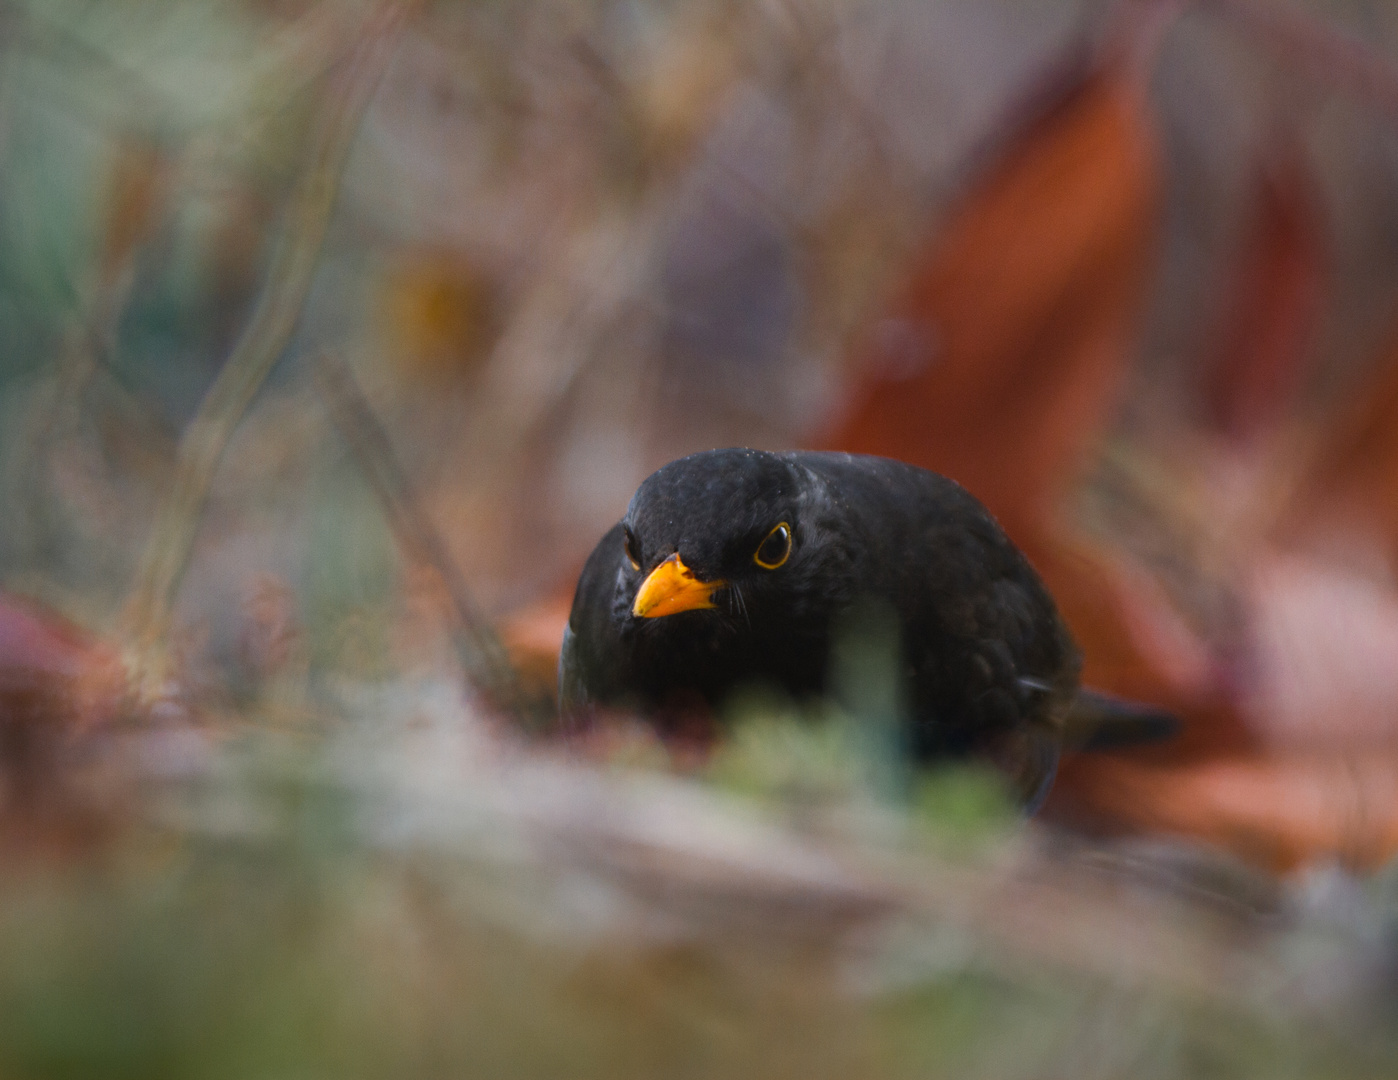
<point>167,553</point>
<point>482,657</point>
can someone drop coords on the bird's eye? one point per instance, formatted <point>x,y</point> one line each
<point>775,549</point>
<point>633,555</point>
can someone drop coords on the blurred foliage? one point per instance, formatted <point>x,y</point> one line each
<point>282,906</point>
<point>797,754</point>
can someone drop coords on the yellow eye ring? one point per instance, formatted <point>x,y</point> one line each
<point>775,548</point>
<point>629,546</point>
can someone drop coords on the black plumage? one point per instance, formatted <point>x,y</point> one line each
<point>740,566</point>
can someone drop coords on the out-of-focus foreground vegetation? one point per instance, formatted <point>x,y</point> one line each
<point>333,334</point>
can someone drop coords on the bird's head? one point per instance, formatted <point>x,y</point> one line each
<point>717,530</point>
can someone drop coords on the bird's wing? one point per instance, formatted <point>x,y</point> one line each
<point>590,660</point>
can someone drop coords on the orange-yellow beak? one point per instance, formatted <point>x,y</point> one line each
<point>672,587</point>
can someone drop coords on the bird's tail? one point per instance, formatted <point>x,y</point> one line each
<point>1097,721</point>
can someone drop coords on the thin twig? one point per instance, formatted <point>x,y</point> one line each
<point>264,339</point>
<point>483,659</point>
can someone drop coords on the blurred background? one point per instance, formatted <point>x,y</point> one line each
<point>334,334</point>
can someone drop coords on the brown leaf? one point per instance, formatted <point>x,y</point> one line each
<point>1280,812</point>
<point>533,637</point>
<point>999,363</point>
<point>1010,343</point>
<point>441,314</point>
<point>44,656</point>
<point>999,367</point>
<point>139,191</point>
<point>1352,486</point>
<point>1276,296</point>
<point>56,682</point>
<point>1136,645</point>
<point>39,647</point>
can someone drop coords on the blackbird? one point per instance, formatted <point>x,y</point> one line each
<point>739,567</point>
